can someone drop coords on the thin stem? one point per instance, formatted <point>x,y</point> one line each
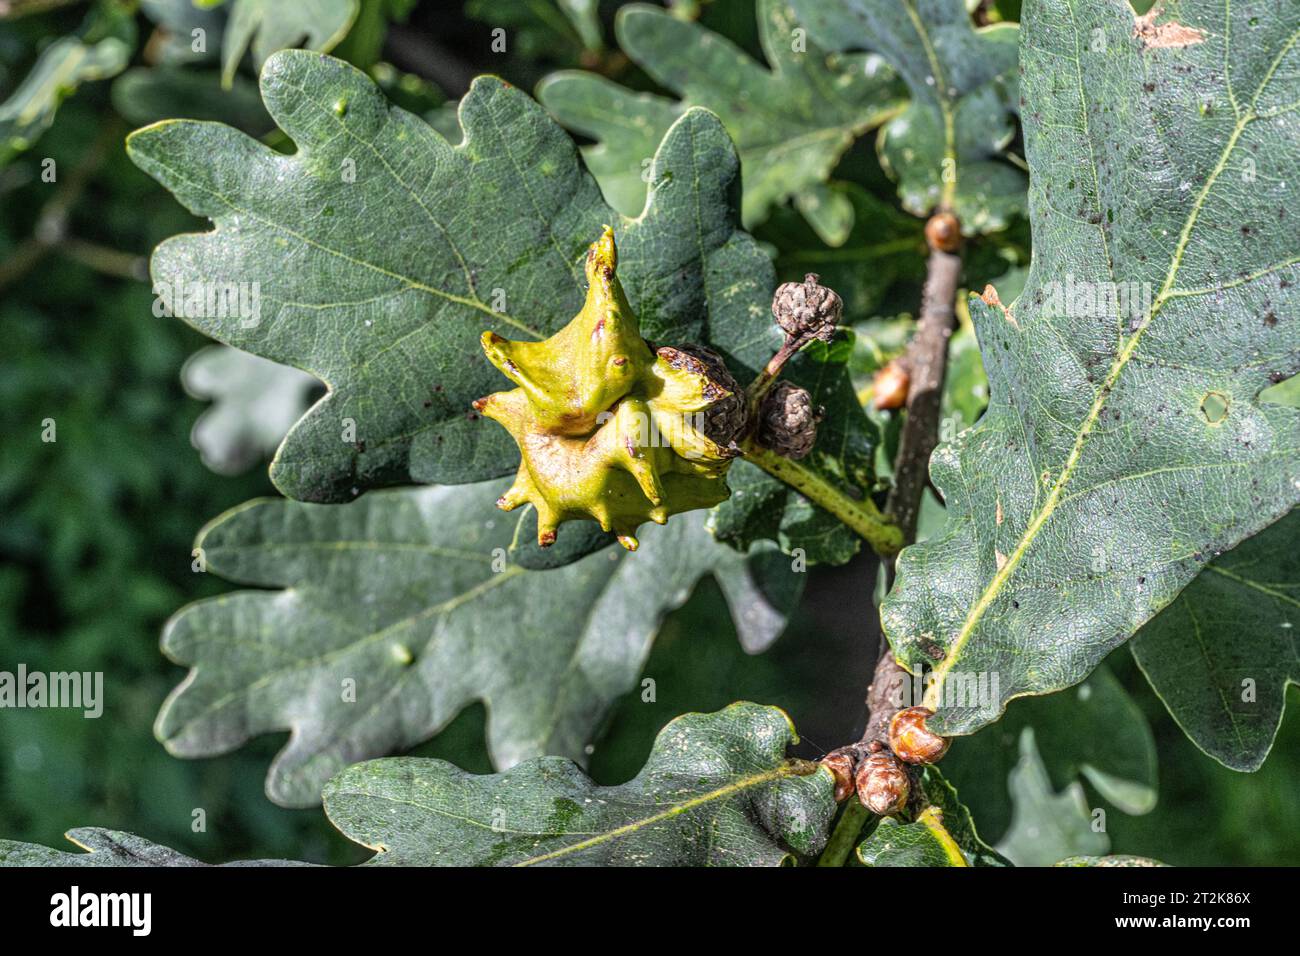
<point>109,261</point>
<point>52,222</point>
<point>845,835</point>
<point>861,515</point>
<point>927,359</point>
<point>765,379</point>
<point>927,363</point>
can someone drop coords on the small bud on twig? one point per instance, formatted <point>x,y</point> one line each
<point>912,741</point>
<point>882,782</point>
<point>943,232</point>
<point>889,389</point>
<point>840,764</point>
<point>787,421</point>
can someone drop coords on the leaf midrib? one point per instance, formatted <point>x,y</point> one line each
<point>787,769</point>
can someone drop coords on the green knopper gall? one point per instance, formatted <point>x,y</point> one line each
<point>607,429</point>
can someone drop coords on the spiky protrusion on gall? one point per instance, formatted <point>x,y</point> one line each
<point>607,429</point>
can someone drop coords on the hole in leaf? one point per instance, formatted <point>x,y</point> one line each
<point>1214,407</point>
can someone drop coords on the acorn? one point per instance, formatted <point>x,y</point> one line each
<point>787,421</point>
<point>807,309</point>
<point>607,429</point>
<point>911,741</point>
<point>943,232</point>
<point>840,764</point>
<point>889,388</point>
<point>882,782</point>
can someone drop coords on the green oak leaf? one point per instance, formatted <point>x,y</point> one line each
<point>394,612</point>
<point>378,253</point>
<point>1094,731</point>
<point>947,148</point>
<point>763,508</point>
<point>1119,859</point>
<point>270,25</point>
<point>716,790</point>
<point>254,403</point>
<point>100,49</point>
<point>1235,623</point>
<point>942,835</point>
<point>791,121</point>
<point>1125,444</point>
<point>923,843</point>
<point>1046,826</point>
<point>108,848</point>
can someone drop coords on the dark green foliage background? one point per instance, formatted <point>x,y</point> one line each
<point>96,531</point>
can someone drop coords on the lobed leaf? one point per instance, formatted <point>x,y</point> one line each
<point>942,835</point>
<point>1125,444</point>
<point>270,25</point>
<point>100,49</point>
<point>947,148</point>
<point>108,848</point>
<point>1222,655</point>
<point>399,609</point>
<point>1047,826</point>
<point>1094,732</point>
<point>254,402</point>
<point>791,120</point>
<point>380,286</point>
<point>716,790</point>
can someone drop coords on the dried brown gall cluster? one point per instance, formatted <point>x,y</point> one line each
<point>807,310</point>
<point>787,421</point>
<point>880,774</point>
<point>784,416</point>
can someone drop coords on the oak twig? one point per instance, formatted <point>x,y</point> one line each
<point>926,363</point>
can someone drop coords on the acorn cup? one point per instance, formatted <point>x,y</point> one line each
<point>609,430</point>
